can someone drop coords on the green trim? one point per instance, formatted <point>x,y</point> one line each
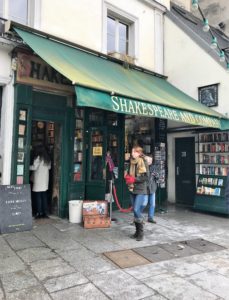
<point>94,98</point>
<point>97,73</point>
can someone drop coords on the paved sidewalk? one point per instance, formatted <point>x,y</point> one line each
<point>58,260</point>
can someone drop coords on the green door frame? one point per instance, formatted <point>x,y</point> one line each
<point>44,107</point>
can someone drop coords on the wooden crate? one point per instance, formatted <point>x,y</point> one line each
<point>97,222</point>
<point>93,208</point>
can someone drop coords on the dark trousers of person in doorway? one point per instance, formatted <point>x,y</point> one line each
<point>41,204</point>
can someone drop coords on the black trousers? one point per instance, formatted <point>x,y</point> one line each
<point>41,202</point>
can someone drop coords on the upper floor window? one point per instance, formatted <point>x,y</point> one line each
<point>15,10</point>
<point>117,36</point>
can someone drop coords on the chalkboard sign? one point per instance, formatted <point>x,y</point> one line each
<point>15,208</point>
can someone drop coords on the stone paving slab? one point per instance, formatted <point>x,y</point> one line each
<point>23,240</point>
<point>44,270</point>
<point>219,265</point>
<point>34,254</point>
<point>34,293</point>
<point>118,285</point>
<point>213,282</point>
<point>182,268</point>
<point>93,266</point>
<point>1,294</point>
<point>141,272</point>
<point>101,246</point>
<point>5,249</point>
<point>75,255</point>
<point>82,292</point>
<point>175,288</point>
<point>19,280</point>
<point>11,264</point>
<point>155,297</point>
<point>64,282</point>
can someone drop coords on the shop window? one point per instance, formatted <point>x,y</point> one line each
<point>117,36</point>
<point>96,117</point>
<point>97,163</point>
<point>78,145</point>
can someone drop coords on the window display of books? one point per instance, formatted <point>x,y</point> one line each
<point>78,145</point>
<point>212,167</point>
<point>213,186</point>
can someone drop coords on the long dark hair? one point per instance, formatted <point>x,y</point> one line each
<point>42,153</point>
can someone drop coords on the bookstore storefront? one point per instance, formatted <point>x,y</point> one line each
<point>101,106</point>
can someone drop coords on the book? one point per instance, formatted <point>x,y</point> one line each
<point>220,182</point>
<point>217,191</point>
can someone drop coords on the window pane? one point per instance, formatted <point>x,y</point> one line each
<point>96,167</point>
<point>110,34</point>
<point>123,38</point>
<point>18,10</point>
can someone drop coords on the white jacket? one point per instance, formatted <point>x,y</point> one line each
<point>40,175</point>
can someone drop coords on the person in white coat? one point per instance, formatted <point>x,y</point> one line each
<point>40,167</point>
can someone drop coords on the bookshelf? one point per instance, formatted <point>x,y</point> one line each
<point>78,145</point>
<point>212,166</point>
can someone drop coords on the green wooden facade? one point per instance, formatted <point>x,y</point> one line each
<point>47,107</point>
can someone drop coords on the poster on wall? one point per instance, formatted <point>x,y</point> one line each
<point>97,151</point>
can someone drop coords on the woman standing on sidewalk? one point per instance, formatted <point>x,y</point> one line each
<point>137,181</point>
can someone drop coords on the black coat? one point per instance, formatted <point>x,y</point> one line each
<point>141,183</point>
<point>153,178</point>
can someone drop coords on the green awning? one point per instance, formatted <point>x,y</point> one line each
<point>104,84</point>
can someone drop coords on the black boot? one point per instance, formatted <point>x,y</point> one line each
<point>140,233</point>
<point>136,232</point>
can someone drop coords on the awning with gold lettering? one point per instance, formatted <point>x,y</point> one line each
<point>108,85</point>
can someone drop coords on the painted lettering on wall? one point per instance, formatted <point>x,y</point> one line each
<point>127,106</point>
<point>33,70</point>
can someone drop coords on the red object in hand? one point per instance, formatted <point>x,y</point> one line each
<point>130,179</point>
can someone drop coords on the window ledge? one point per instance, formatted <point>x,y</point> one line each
<point>124,57</point>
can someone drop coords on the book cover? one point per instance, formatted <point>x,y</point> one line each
<point>220,182</point>
<point>217,191</point>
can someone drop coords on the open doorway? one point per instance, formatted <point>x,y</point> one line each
<point>48,134</point>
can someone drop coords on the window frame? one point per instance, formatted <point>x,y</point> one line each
<point>117,35</point>
<point>33,13</point>
<point>127,19</point>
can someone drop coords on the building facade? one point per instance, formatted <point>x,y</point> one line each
<point>187,45</point>
<point>84,83</point>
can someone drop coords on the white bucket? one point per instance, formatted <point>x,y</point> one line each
<point>75,211</point>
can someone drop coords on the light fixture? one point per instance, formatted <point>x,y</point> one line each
<point>214,43</point>
<point>222,56</point>
<point>195,4</point>
<point>206,26</point>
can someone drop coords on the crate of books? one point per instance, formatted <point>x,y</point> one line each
<point>95,214</point>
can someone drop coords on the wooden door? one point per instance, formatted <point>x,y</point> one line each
<point>185,170</point>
